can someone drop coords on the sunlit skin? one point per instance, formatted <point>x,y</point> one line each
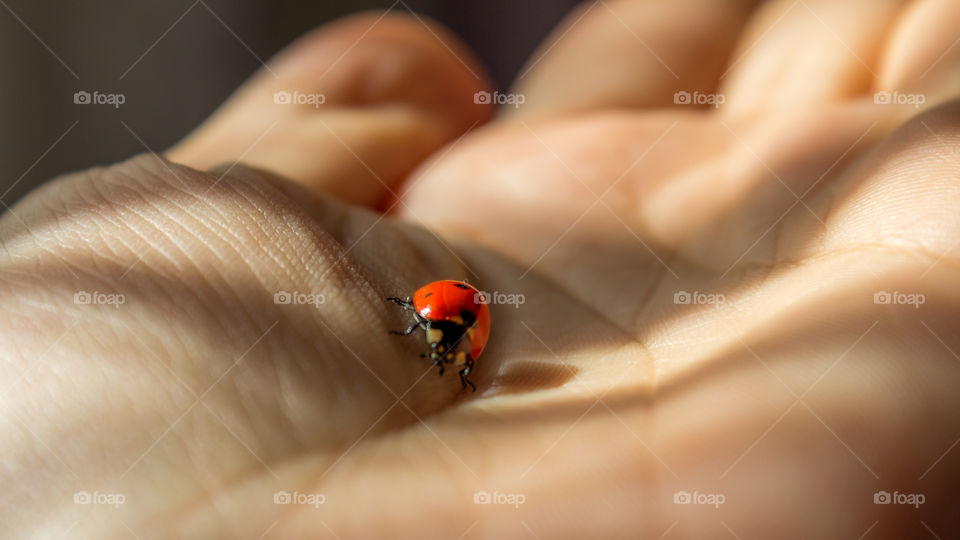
<point>781,385</point>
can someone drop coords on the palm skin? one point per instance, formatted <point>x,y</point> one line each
<point>599,398</point>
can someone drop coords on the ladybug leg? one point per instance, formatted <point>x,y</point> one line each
<point>465,372</point>
<point>405,304</point>
<point>436,361</point>
<point>408,331</point>
<point>437,358</point>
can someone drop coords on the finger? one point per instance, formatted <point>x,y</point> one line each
<point>349,109</point>
<point>805,52</point>
<point>629,54</point>
<point>923,53</point>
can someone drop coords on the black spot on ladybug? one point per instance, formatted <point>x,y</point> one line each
<point>461,286</point>
<point>427,295</point>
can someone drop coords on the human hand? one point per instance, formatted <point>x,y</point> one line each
<point>599,201</point>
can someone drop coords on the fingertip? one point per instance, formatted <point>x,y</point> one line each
<point>375,58</point>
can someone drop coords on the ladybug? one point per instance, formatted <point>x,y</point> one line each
<point>456,321</point>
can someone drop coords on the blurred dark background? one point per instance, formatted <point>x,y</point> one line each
<point>175,61</point>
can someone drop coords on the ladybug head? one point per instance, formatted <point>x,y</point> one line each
<point>447,338</point>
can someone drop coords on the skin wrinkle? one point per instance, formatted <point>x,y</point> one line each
<point>226,242</point>
<point>188,211</point>
<point>218,250</point>
<point>116,256</point>
<point>223,251</point>
<point>625,330</point>
<point>258,208</point>
<point>271,235</point>
<point>654,362</point>
<point>176,245</point>
<point>326,248</point>
<point>207,311</point>
<point>197,268</point>
<point>117,207</point>
<point>183,226</point>
<point>58,226</point>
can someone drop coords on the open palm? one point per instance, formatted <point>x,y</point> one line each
<point>747,309</point>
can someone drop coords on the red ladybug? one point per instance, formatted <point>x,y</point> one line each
<point>456,321</point>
